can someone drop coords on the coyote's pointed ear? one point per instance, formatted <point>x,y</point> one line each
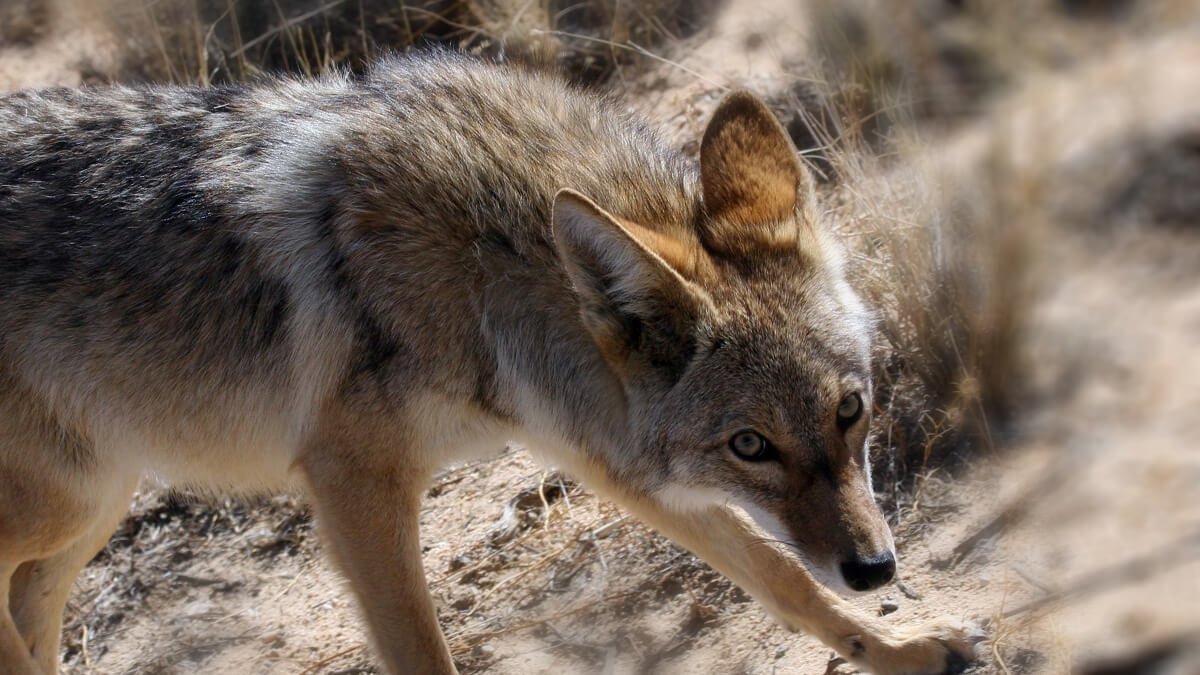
<point>631,300</point>
<point>752,180</point>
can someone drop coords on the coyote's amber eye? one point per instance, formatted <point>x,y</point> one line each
<point>750,446</point>
<point>849,411</point>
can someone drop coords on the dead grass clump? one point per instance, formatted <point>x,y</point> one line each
<point>950,276</point>
<point>935,59</point>
<point>593,39</point>
<point>211,41</point>
<point>207,41</point>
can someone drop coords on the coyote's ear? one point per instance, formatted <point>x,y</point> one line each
<point>631,300</point>
<point>752,180</point>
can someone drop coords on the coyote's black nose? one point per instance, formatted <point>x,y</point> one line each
<point>863,574</point>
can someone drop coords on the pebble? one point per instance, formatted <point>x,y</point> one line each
<point>463,602</point>
<point>887,607</point>
<point>262,537</point>
<point>780,651</point>
<point>907,590</point>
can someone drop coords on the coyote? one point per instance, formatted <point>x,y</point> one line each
<point>339,285</point>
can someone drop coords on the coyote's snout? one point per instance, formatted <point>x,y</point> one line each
<point>343,284</point>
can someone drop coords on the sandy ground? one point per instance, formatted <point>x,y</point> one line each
<point>1077,539</point>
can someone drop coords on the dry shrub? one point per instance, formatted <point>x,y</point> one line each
<point>206,41</point>
<point>946,59</point>
<point>585,41</point>
<point>21,21</point>
<point>947,267</point>
<point>1146,178</point>
<point>213,41</point>
<point>930,58</point>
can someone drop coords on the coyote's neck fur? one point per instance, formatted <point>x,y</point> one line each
<point>482,158</point>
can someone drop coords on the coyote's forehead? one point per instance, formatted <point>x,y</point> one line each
<point>795,308</point>
<point>782,349</point>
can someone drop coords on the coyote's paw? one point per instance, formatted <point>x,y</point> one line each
<point>937,649</point>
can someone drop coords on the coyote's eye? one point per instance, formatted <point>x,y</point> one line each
<point>849,411</point>
<point>750,446</point>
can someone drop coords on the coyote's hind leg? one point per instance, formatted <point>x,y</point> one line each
<point>60,498</point>
<point>40,588</point>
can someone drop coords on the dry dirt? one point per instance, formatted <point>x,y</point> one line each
<point>1075,537</point>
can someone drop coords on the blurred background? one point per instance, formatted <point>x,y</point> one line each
<point>1018,185</point>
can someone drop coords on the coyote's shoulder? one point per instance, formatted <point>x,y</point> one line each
<point>342,284</point>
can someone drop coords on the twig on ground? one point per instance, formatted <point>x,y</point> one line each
<point>907,590</point>
<point>316,667</point>
<point>83,647</point>
<point>537,564</point>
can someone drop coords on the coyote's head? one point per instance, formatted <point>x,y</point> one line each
<point>742,350</point>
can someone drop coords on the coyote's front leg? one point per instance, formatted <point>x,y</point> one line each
<point>781,583</point>
<point>367,502</point>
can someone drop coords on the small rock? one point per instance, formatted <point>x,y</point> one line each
<point>463,602</point>
<point>907,590</point>
<point>262,537</point>
<point>200,609</point>
<point>888,606</point>
<point>780,651</point>
<point>274,640</point>
<point>506,527</point>
<point>483,651</point>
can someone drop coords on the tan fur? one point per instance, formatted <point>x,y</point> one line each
<point>342,285</point>
<point>684,254</point>
<point>750,181</point>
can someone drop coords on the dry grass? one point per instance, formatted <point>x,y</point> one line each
<point>950,282</point>
<point>949,261</point>
<point>21,21</point>
<point>212,41</point>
